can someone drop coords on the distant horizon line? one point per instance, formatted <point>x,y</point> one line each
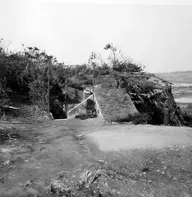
<point>178,71</point>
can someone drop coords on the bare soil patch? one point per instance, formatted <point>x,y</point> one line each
<point>48,151</point>
<point>125,137</point>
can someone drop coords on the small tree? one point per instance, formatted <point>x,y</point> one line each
<point>119,62</point>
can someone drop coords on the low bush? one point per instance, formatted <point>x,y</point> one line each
<point>139,118</point>
<point>33,112</point>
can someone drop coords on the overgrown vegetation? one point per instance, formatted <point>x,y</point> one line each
<point>24,75</point>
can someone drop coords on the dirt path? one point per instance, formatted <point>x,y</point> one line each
<point>56,148</point>
<point>27,167</point>
<point>125,137</point>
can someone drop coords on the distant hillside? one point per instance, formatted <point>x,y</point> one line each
<point>179,76</point>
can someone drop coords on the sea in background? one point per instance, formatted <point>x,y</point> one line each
<point>181,88</point>
<point>182,92</point>
<point>183,100</point>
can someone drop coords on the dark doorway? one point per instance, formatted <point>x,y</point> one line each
<point>56,108</point>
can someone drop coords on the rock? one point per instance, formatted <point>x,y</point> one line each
<point>27,183</point>
<point>145,170</point>
<point>8,162</point>
<point>101,161</point>
<point>81,137</point>
<point>58,186</point>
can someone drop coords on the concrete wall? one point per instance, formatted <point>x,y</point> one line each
<point>81,108</point>
<point>78,109</point>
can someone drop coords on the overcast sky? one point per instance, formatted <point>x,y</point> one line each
<point>158,35</point>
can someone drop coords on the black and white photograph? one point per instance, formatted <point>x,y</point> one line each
<point>95,98</point>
